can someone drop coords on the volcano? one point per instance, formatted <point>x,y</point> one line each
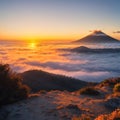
<point>98,37</point>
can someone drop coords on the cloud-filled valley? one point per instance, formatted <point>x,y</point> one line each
<point>89,67</point>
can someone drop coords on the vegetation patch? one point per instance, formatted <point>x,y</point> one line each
<point>115,115</point>
<point>11,87</point>
<point>72,106</point>
<point>42,92</point>
<point>116,88</point>
<point>89,91</point>
<point>110,82</point>
<point>82,117</point>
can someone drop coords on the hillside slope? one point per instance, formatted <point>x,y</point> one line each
<point>41,80</point>
<point>64,105</point>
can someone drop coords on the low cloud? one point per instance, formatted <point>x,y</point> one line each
<point>94,30</point>
<point>56,65</point>
<point>93,76</point>
<point>91,66</point>
<point>87,72</point>
<point>2,53</point>
<point>116,32</point>
<point>21,59</point>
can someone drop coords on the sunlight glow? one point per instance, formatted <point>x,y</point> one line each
<point>32,45</point>
<point>57,19</point>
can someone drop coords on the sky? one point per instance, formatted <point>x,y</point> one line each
<point>58,19</point>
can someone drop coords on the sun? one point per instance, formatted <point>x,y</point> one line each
<point>32,45</point>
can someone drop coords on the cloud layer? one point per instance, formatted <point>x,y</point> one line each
<point>92,67</point>
<point>116,32</point>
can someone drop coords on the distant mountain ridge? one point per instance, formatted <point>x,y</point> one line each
<point>83,49</point>
<point>97,37</point>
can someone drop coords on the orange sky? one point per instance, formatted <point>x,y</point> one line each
<point>71,36</point>
<point>57,19</point>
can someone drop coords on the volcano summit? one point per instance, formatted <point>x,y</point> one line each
<point>98,37</point>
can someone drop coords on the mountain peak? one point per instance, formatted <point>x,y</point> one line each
<point>97,37</point>
<point>98,33</point>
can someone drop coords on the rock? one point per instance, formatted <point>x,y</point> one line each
<point>113,103</point>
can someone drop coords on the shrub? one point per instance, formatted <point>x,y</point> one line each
<point>115,115</point>
<point>42,92</point>
<point>110,82</point>
<point>11,87</point>
<point>116,88</point>
<point>72,106</point>
<point>89,91</point>
<point>82,117</point>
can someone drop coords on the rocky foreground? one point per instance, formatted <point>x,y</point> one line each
<point>64,105</point>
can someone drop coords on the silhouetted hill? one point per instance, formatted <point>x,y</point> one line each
<point>97,37</point>
<point>83,49</point>
<point>40,80</point>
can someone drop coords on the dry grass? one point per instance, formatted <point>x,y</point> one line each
<point>42,92</point>
<point>115,115</point>
<point>110,82</point>
<point>89,91</point>
<point>82,117</point>
<point>116,87</point>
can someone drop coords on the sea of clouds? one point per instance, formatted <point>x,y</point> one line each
<point>24,56</point>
